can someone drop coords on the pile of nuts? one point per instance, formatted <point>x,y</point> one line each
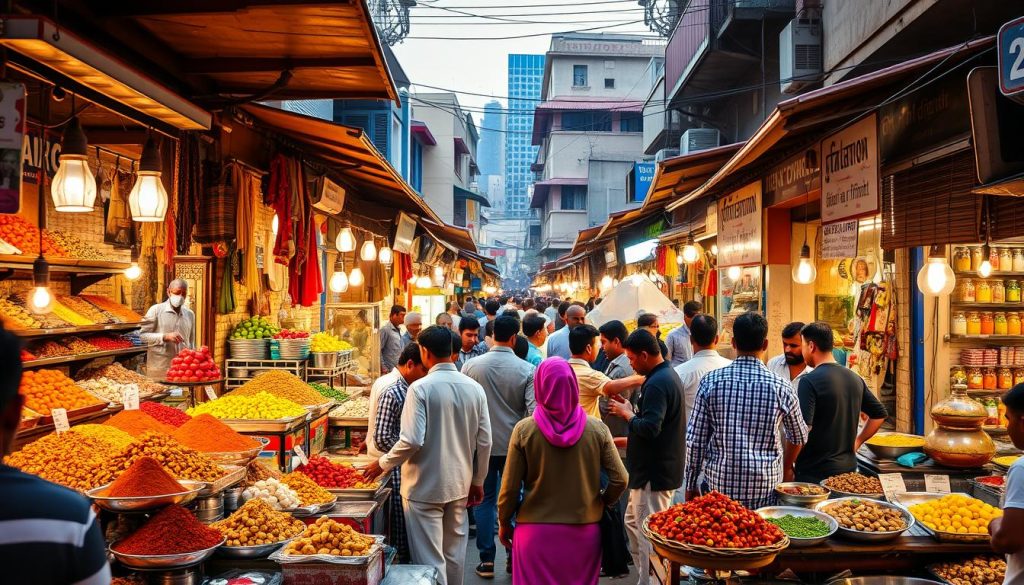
<point>122,375</point>
<point>105,388</point>
<point>352,408</point>
<point>68,459</point>
<point>981,570</point>
<point>256,523</point>
<point>179,461</point>
<point>85,308</point>
<point>16,316</point>
<point>854,483</point>
<point>278,495</point>
<point>866,516</point>
<point>78,345</point>
<point>307,489</point>
<point>330,537</point>
<point>74,246</point>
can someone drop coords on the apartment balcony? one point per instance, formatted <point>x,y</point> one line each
<point>719,41</point>
<point>559,228</point>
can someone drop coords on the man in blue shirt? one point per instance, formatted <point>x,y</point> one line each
<point>558,342</point>
<point>678,340</point>
<point>535,328</point>
<point>1007,536</point>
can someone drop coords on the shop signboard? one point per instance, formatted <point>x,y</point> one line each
<point>643,176</point>
<point>924,120</point>
<point>1010,45</point>
<point>739,227</point>
<point>849,163</point>
<point>839,240</point>
<point>12,137</point>
<point>793,178</point>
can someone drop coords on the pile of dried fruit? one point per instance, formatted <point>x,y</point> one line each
<point>49,349</point>
<point>715,520</point>
<point>980,570</point>
<point>78,345</point>
<point>68,459</point>
<point>119,311</point>
<point>181,462</point>
<point>330,537</point>
<point>86,309</point>
<point>122,375</point>
<point>16,316</point>
<point>74,246</point>
<point>328,474</point>
<point>256,523</point>
<point>21,234</point>
<point>854,483</point>
<point>45,390</point>
<point>114,436</point>
<point>309,492</point>
<point>165,414</point>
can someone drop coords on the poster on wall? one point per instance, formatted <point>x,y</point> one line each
<point>849,182</point>
<point>839,240</point>
<point>12,140</point>
<point>739,227</point>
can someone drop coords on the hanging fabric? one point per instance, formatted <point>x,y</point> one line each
<point>279,197</point>
<point>216,224</point>
<point>226,300</point>
<point>190,187</point>
<point>249,198</point>
<point>305,283</point>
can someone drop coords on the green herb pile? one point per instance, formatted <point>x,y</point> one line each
<point>800,526</point>
<point>329,392</point>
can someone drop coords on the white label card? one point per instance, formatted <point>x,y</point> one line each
<point>60,420</point>
<point>937,484</point>
<point>131,397</point>
<point>297,449</point>
<point>211,393</point>
<point>892,483</point>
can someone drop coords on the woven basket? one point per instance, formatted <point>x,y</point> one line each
<point>710,558</point>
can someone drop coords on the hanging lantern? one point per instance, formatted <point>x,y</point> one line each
<point>805,272</point>
<point>606,282</point>
<point>690,252</point>
<point>734,273</point>
<point>148,198</point>
<point>423,281</point>
<point>936,278</point>
<point>338,282</point>
<point>345,242</point>
<point>74,186</point>
<point>355,278</point>
<point>368,253</point>
<point>385,256</point>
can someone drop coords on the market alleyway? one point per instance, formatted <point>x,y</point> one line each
<point>503,578</point>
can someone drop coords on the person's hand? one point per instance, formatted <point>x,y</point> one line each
<point>620,442</point>
<point>373,471</point>
<point>505,535</point>
<point>637,379</point>
<point>620,407</point>
<point>476,495</point>
<point>788,475</point>
<point>173,338</point>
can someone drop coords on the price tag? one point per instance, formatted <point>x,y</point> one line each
<point>936,484</point>
<point>131,397</point>
<point>211,393</point>
<point>60,420</point>
<point>892,483</point>
<point>177,392</point>
<point>297,449</point>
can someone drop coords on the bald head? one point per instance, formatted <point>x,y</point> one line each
<point>178,284</point>
<point>574,315</point>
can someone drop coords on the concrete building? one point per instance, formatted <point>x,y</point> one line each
<point>589,127</point>
<point>525,73</point>
<point>492,147</point>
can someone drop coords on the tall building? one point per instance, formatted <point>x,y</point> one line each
<point>492,146</point>
<point>525,77</point>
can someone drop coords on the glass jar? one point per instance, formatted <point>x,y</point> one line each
<point>1005,260</point>
<point>983,292</point>
<point>1018,376</point>
<point>957,375</point>
<point>1004,379</point>
<point>975,379</point>
<point>998,292</point>
<point>993,258</point>
<point>989,380</point>
<point>976,258</point>
<point>962,259</point>
<point>1013,291</point>
<point>959,324</point>
<point>967,291</point>
<point>973,324</point>
<point>988,323</point>
<point>1018,259</point>
<point>999,324</point>
<point>1013,325</point>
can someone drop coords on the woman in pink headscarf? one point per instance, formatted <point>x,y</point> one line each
<point>556,457</point>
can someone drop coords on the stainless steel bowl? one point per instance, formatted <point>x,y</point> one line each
<point>797,500</point>
<point>884,580</point>
<point>780,511</point>
<point>891,452</point>
<point>138,504</point>
<point>163,561</point>
<point>836,494</point>
<point>908,519</point>
<point>251,552</point>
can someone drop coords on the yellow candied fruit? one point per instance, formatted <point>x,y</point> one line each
<point>896,440</point>
<point>956,513</point>
<point>260,406</point>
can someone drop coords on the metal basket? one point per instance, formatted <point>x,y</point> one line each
<point>249,349</point>
<point>325,360</point>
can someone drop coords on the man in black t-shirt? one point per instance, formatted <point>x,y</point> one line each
<point>832,398</point>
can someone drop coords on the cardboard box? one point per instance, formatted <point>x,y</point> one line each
<point>372,573</point>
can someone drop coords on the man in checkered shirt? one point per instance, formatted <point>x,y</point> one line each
<point>732,436</point>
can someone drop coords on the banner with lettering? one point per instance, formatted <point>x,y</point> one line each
<point>839,240</point>
<point>849,177</point>
<point>739,227</point>
<point>12,132</point>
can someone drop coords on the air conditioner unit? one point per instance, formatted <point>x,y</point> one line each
<point>800,54</point>
<point>696,139</point>
<point>330,197</point>
<point>665,153</point>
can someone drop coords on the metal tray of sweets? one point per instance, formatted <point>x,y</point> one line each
<point>232,475</point>
<point>278,425</point>
<point>908,499</point>
<point>78,413</point>
<point>362,494</point>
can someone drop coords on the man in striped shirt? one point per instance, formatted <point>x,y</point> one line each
<point>48,534</point>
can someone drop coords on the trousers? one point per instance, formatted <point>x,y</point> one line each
<point>487,512</point>
<point>437,537</point>
<point>643,503</point>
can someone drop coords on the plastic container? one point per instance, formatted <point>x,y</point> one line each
<point>959,324</point>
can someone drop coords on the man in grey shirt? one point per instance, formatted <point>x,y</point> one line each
<point>508,383</point>
<point>391,339</point>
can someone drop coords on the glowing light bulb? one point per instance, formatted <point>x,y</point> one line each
<point>275,224</point>
<point>339,282</point>
<point>355,278</point>
<point>345,242</point>
<point>690,253</point>
<point>423,282</point>
<point>41,300</point>
<point>985,269</point>
<point>385,256</point>
<point>606,282</point>
<point>734,273</point>
<point>714,249</point>
<point>936,277</point>
<point>133,272</point>
<point>805,272</point>
<point>368,253</point>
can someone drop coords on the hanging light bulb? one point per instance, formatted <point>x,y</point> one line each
<point>385,256</point>
<point>714,249</point>
<point>41,300</point>
<point>74,186</point>
<point>148,198</point>
<point>275,224</point>
<point>734,273</point>
<point>606,282</point>
<point>690,252</point>
<point>423,281</point>
<point>438,272</point>
<point>133,272</point>
<point>985,268</point>
<point>936,278</point>
<point>805,272</point>
<point>368,253</point>
<point>338,282</point>
<point>345,242</point>
<point>355,278</point>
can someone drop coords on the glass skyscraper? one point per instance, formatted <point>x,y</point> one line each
<point>525,75</point>
<point>492,142</point>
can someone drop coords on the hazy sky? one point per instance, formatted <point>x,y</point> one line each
<point>479,65</point>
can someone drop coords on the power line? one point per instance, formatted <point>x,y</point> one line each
<point>427,4</point>
<point>528,36</point>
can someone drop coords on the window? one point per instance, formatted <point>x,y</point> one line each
<point>574,197</point>
<point>609,83</point>
<point>459,212</point>
<point>587,121</point>
<point>631,122</point>
<point>579,75</point>
<point>416,166</point>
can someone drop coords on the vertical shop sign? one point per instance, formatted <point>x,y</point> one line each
<point>849,178</point>
<point>12,140</point>
<point>1010,43</point>
<point>839,240</point>
<point>739,227</point>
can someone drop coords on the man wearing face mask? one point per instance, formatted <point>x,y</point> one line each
<point>168,328</point>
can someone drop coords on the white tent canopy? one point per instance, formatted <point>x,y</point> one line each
<point>634,295</point>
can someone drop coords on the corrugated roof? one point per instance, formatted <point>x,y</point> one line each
<point>677,176</point>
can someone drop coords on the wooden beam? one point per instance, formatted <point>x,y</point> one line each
<point>109,135</point>
<point>257,64</point>
<point>196,7</point>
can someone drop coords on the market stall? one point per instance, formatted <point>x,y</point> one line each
<point>635,295</point>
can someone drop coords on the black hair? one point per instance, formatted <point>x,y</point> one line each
<point>691,308</point>
<point>492,307</point>
<point>563,307</point>
<point>532,324</point>
<point>641,341</point>
<point>528,303</point>
<point>703,330</point>
<point>468,323</point>
<point>1014,399</point>
<point>580,337</point>
<point>522,348</point>
<point>820,333</point>
<point>646,320</point>
<point>505,327</point>
<point>614,330</point>
<point>597,301</point>
<point>749,331</point>
<point>456,343</point>
<point>437,340</point>
<point>10,374</point>
<point>489,328</point>
<point>396,309</point>
<point>510,313</point>
<point>517,300</point>
<point>410,352</point>
<point>792,329</point>
<point>503,300</point>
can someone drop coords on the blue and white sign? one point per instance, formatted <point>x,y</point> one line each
<point>643,176</point>
<point>1011,59</point>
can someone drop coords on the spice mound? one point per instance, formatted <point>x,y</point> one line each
<point>136,422</point>
<point>329,537</point>
<point>114,436</point>
<point>208,435</point>
<point>173,530</point>
<point>145,477</point>
<point>956,513</point>
<point>854,483</point>
<point>334,475</point>
<point>179,461</point>
<point>260,406</point>
<point>801,526</point>
<point>165,414</point>
<point>256,523</point>
<point>309,492</point>
<point>866,516</point>
<point>70,459</point>
<point>281,384</point>
<point>896,440</point>
<point>980,570</point>
<point>717,521</point>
